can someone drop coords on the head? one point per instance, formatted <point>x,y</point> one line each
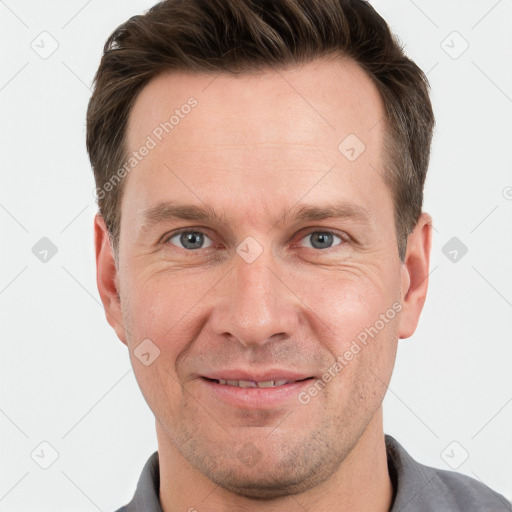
<point>259,171</point>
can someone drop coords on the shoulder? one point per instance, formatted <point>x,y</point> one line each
<point>421,488</point>
<point>467,493</point>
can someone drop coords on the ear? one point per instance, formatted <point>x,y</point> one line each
<point>107,278</point>
<point>415,271</point>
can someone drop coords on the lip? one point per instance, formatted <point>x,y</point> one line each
<point>272,374</point>
<point>256,398</point>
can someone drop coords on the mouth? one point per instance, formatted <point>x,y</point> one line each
<point>263,393</point>
<point>255,384</point>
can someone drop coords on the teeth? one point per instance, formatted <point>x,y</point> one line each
<point>253,384</point>
<point>247,384</point>
<point>272,383</point>
<point>266,384</point>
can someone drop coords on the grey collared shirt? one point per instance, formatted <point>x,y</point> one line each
<point>417,488</point>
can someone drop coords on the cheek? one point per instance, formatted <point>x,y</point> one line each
<point>162,308</point>
<point>357,322</point>
<point>155,319</point>
<point>156,315</point>
<point>347,304</point>
<point>159,305</point>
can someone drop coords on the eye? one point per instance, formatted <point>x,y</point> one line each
<point>190,240</point>
<point>322,239</point>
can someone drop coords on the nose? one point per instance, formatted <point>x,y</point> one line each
<point>256,305</point>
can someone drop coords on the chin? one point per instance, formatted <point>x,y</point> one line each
<point>279,472</point>
<point>275,485</point>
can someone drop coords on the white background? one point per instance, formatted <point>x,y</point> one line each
<point>66,378</point>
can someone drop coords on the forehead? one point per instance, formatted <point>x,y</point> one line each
<point>268,136</point>
<point>321,98</point>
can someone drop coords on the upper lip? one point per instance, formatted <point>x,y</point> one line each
<point>262,376</point>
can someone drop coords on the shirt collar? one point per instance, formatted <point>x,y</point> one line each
<point>409,478</point>
<point>146,497</point>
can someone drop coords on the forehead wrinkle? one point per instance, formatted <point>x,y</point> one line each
<point>171,210</point>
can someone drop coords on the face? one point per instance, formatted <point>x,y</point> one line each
<point>258,267</point>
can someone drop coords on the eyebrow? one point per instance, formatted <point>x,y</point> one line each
<point>170,210</point>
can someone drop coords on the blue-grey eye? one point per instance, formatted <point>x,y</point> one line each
<point>322,239</point>
<point>190,240</point>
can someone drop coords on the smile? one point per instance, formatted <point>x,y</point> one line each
<point>264,393</point>
<point>254,384</point>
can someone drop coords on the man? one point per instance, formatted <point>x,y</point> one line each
<point>261,247</point>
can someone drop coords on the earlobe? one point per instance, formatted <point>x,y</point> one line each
<point>415,272</point>
<point>107,277</point>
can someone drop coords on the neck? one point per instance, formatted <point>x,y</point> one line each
<point>361,483</point>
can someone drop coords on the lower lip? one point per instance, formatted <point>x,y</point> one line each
<point>257,398</point>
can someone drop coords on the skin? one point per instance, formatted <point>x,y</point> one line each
<point>254,147</point>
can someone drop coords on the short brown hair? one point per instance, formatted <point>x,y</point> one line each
<point>236,36</point>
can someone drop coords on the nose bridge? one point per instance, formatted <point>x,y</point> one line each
<point>255,304</point>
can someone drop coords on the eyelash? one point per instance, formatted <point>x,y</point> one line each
<point>343,237</point>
